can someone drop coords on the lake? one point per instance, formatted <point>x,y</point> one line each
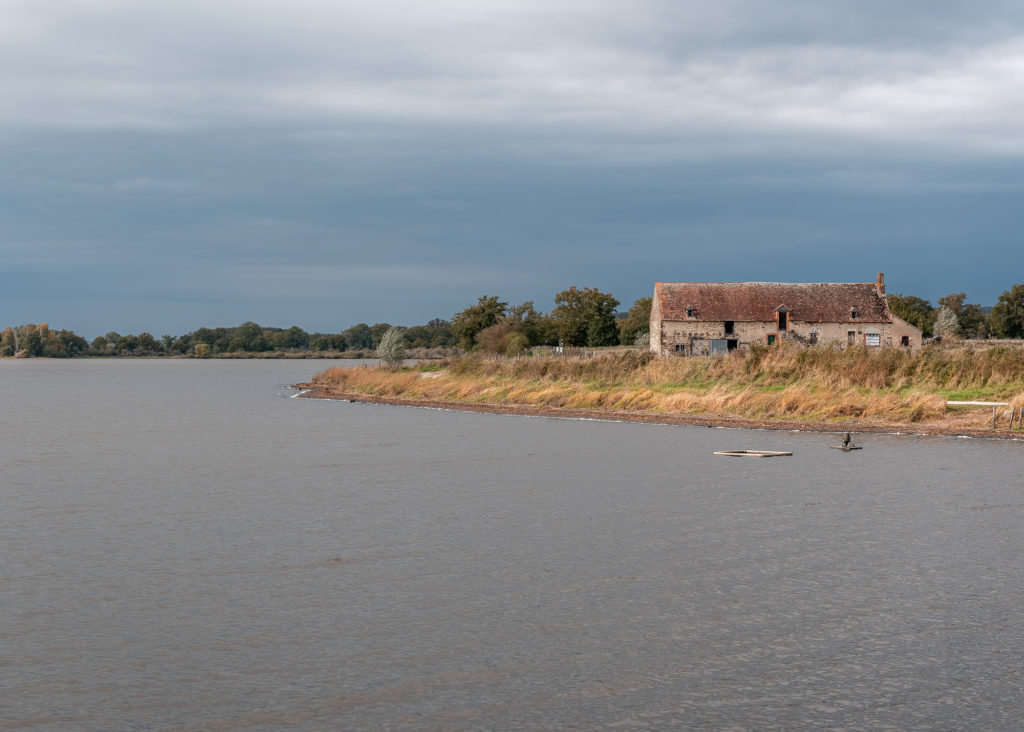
<point>185,546</point>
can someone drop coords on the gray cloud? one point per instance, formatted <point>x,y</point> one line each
<point>929,75</point>
<point>393,160</point>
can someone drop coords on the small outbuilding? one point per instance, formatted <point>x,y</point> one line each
<point>706,318</point>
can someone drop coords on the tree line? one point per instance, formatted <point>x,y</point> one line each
<point>40,340</point>
<point>581,317</point>
<point>954,317</point>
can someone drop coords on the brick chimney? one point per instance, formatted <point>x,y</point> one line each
<point>880,283</point>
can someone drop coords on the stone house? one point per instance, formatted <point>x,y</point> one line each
<point>702,318</point>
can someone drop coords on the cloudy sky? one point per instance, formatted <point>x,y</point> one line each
<point>170,165</point>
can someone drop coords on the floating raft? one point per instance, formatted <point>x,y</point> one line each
<point>752,453</point>
<point>846,448</point>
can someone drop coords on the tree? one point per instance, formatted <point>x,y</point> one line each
<point>636,322</point>
<point>67,343</point>
<point>1007,319</point>
<point>946,323</point>
<point>915,310</point>
<point>147,343</point>
<point>294,337</point>
<point>528,322</point>
<point>468,323</point>
<point>7,343</point>
<point>377,331</point>
<point>973,321</point>
<point>418,336</point>
<point>437,333</point>
<point>126,344</point>
<point>32,344</point>
<point>321,342</point>
<point>492,338</point>
<point>358,337</point>
<point>971,317</point>
<point>954,301</point>
<point>392,347</point>
<point>602,331</point>
<point>515,343</point>
<point>247,337</point>
<point>585,317</point>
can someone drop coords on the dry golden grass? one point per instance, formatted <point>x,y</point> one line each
<point>782,382</point>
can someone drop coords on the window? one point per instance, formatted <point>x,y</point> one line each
<point>905,341</point>
<point>771,339</point>
<point>680,348</point>
<point>783,320</point>
<point>872,339</point>
<point>812,337</point>
<point>729,327</point>
<point>853,313</point>
<point>689,312</point>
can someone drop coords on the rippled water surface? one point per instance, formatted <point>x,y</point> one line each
<point>182,546</point>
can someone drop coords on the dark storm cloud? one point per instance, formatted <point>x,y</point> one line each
<point>170,165</point>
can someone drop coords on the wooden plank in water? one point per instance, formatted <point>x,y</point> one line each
<point>752,453</point>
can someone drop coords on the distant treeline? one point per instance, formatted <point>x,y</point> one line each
<point>581,317</point>
<point>359,340</point>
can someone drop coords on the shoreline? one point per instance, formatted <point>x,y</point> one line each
<point>317,391</point>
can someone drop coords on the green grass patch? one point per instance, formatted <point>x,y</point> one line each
<point>981,394</point>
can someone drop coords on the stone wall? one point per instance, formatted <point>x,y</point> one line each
<point>665,338</point>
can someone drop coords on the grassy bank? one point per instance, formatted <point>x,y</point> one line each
<point>778,383</point>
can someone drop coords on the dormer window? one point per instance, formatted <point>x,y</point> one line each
<point>782,316</point>
<point>853,313</point>
<point>689,312</point>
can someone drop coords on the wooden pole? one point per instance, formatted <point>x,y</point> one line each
<point>993,417</point>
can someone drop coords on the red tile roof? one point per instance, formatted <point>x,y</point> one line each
<point>827,302</point>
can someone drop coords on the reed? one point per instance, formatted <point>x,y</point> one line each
<point>782,382</point>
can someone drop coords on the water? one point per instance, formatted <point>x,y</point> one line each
<point>183,546</point>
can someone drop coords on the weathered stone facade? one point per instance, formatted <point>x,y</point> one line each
<point>697,318</point>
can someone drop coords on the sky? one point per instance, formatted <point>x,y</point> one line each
<point>166,166</point>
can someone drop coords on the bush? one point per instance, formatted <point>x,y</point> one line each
<point>392,347</point>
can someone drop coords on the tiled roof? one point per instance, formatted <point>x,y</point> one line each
<point>827,302</point>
